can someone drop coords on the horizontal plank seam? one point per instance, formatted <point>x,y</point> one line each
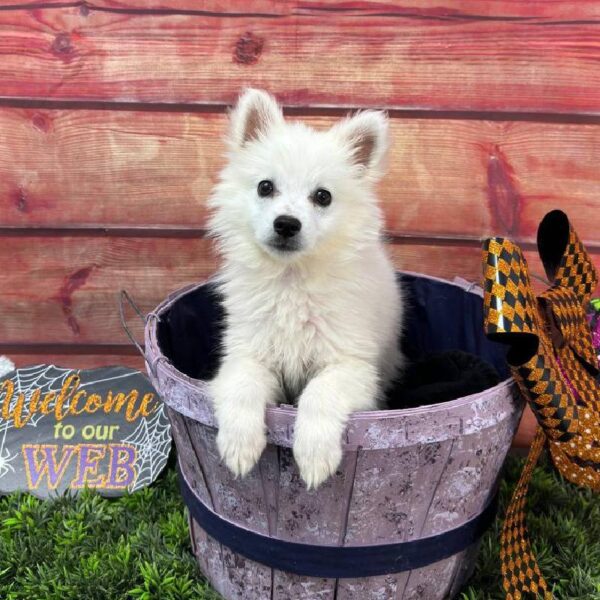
<point>39,5</point>
<point>408,112</point>
<point>201,233</point>
<point>108,231</point>
<point>456,17</point>
<point>74,348</point>
<point>302,11</point>
<point>88,7</point>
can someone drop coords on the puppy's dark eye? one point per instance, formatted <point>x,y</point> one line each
<point>322,197</point>
<point>265,188</point>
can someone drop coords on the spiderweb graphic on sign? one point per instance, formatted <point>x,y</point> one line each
<point>152,442</point>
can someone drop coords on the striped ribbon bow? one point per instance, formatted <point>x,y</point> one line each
<point>553,361</point>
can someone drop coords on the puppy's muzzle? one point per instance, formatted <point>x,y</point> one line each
<point>286,226</point>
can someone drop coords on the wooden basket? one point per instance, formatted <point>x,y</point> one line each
<point>400,519</point>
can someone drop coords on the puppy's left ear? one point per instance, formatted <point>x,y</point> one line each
<point>367,135</point>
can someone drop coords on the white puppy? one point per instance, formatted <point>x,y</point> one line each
<point>313,308</point>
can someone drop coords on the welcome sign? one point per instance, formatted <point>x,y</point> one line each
<point>67,429</point>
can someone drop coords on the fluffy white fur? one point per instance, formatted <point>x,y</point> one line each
<point>6,366</point>
<point>318,324</point>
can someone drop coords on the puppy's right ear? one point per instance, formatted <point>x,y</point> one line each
<point>255,113</point>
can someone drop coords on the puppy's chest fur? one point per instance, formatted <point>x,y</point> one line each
<point>285,326</point>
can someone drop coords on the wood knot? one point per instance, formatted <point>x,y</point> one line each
<point>503,194</point>
<point>70,285</point>
<point>248,49</point>
<point>62,47</point>
<point>41,121</point>
<point>21,200</point>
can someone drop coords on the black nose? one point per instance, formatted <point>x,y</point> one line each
<point>287,226</point>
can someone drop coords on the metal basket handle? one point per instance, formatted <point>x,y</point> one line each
<point>125,297</point>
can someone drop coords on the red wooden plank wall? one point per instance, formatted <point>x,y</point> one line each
<point>111,114</point>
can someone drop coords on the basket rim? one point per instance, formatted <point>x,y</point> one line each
<point>198,404</point>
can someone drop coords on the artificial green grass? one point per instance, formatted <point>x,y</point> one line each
<point>564,525</point>
<point>137,547</point>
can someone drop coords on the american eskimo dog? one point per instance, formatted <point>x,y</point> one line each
<point>313,308</point>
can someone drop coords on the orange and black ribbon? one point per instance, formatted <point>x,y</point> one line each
<point>553,361</point>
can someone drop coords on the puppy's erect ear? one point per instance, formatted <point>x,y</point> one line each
<point>366,133</point>
<point>255,113</point>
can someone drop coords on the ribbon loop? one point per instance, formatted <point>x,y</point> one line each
<point>556,373</point>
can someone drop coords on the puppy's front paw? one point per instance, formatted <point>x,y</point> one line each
<point>318,453</point>
<point>240,445</point>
